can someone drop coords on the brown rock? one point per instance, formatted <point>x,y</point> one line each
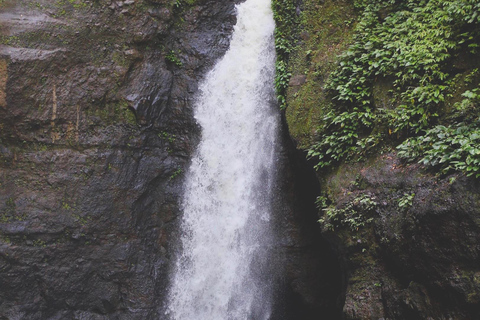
<point>297,80</point>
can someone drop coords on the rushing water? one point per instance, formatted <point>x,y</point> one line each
<point>223,272</point>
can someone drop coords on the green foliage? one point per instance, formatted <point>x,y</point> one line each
<point>467,108</point>
<point>167,136</point>
<point>281,81</point>
<point>343,142</point>
<point>466,10</point>
<point>176,173</point>
<point>456,147</point>
<point>353,215</point>
<point>321,202</point>
<point>406,201</point>
<point>172,58</point>
<point>284,13</point>
<point>68,6</point>
<point>411,43</point>
<point>178,4</point>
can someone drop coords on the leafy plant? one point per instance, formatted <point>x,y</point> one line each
<point>467,108</point>
<point>181,3</point>
<point>281,81</point>
<point>172,58</point>
<point>455,147</point>
<point>353,215</point>
<point>410,43</point>
<point>167,136</point>
<point>406,201</point>
<point>321,202</point>
<point>284,13</point>
<point>176,173</point>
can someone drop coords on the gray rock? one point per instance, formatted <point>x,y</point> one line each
<point>91,134</point>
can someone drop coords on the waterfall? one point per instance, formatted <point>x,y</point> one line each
<point>224,271</point>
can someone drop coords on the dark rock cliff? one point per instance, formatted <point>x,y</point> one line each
<point>413,250</point>
<point>96,129</point>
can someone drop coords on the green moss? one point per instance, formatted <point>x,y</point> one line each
<point>170,138</point>
<point>326,30</point>
<point>128,115</point>
<point>10,212</point>
<point>9,40</point>
<point>67,7</point>
<point>119,58</point>
<point>114,113</point>
<point>305,112</point>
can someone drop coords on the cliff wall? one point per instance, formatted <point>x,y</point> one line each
<point>96,132</point>
<point>96,129</point>
<point>381,97</point>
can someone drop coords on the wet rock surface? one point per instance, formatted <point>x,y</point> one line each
<point>96,130</point>
<point>406,236</point>
<point>414,254</point>
<point>311,279</point>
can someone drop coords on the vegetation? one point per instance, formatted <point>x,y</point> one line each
<point>284,12</point>
<point>324,30</point>
<point>172,58</point>
<point>76,4</point>
<point>175,174</point>
<point>167,136</point>
<point>181,3</point>
<point>406,201</point>
<point>352,215</point>
<point>456,147</point>
<point>397,83</point>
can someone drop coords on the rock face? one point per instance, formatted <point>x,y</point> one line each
<point>311,275</point>
<point>96,129</point>
<point>413,252</point>
<point>407,236</point>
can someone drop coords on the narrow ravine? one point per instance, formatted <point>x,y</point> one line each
<point>224,271</point>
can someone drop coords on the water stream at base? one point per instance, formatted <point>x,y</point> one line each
<point>224,271</point>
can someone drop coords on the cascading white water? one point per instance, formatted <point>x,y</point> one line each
<point>223,273</point>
